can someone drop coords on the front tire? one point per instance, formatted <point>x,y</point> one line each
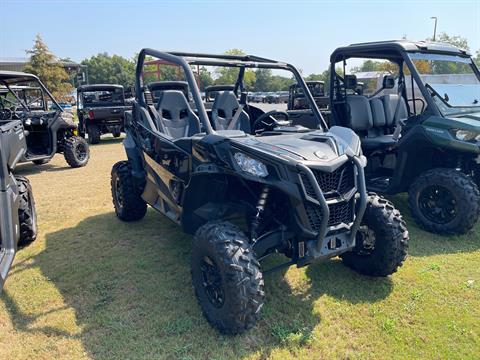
<point>93,134</point>
<point>128,204</point>
<point>381,242</point>
<point>227,278</point>
<point>76,151</point>
<point>445,201</point>
<point>27,213</point>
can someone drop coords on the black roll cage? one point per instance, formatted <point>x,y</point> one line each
<point>27,77</point>
<point>184,60</point>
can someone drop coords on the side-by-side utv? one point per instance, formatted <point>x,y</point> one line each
<point>48,128</point>
<point>18,219</point>
<point>420,129</point>
<point>100,110</point>
<point>249,185</point>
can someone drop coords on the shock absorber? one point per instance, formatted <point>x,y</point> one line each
<point>257,219</point>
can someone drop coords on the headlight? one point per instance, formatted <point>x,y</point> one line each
<point>467,135</point>
<point>251,166</point>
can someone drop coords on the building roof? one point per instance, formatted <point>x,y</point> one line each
<point>18,64</point>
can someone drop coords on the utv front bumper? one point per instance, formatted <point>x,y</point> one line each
<point>334,216</point>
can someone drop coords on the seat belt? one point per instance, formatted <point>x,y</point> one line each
<point>398,125</point>
<point>158,121</point>
<point>235,117</point>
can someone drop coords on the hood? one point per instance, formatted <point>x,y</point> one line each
<point>464,121</point>
<point>315,146</point>
<point>473,116</point>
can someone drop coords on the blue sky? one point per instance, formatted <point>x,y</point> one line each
<point>301,32</point>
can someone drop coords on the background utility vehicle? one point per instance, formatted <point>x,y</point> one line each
<point>289,189</point>
<point>18,219</point>
<point>298,108</point>
<point>420,130</point>
<point>47,131</point>
<point>100,110</point>
<point>296,98</point>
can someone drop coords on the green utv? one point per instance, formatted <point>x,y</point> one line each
<point>274,187</point>
<point>18,219</point>
<point>418,119</point>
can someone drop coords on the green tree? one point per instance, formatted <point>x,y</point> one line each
<point>45,65</point>
<point>205,78</point>
<point>228,76</point>
<point>477,58</point>
<point>105,69</point>
<point>263,80</point>
<point>455,40</point>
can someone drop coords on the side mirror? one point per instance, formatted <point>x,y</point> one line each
<point>350,82</point>
<point>388,82</point>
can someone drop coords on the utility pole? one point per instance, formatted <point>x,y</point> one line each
<point>435,27</point>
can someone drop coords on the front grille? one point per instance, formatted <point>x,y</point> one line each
<point>342,212</point>
<point>332,184</point>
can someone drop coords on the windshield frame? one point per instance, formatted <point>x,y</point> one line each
<point>428,89</point>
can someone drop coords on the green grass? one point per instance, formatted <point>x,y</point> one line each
<point>94,287</point>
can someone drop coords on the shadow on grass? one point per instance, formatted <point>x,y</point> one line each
<point>31,169</point>
<point>129,285</point>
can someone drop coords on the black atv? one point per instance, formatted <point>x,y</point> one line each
<point>285,189</point>
<point>18,220</point>
<point>100,110</point>
<point>48,128</point>
<point>419,125</point>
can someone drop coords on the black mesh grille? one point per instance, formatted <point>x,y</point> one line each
<point>339,213</point>
<point>332,184</point>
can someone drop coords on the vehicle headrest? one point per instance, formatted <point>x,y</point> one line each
<point>158,86</point>
<point>388,81</point>
<point>172,100</point>
<point>350,82</point>
<point>226,101</point>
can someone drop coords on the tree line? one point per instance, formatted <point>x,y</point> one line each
<point>116,69</point>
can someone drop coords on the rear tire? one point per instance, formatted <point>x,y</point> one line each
<point>41,162</point>
<point>116,133</point>
<point>382,241</point>
<point>445,201</point>
<point>128,204</point>
<point>93,132</point>
<point>27,213</point>
<point>76,151</point>
<point>227,278</point>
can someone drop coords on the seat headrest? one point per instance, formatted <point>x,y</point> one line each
<point>226,101</point>
<point>212,91</point>
<point>159,86</point>
<point>388,81</point>
<point>350,82</point>
<point>173,101</point>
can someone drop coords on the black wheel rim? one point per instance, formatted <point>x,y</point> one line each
<point>438,204</point>
<point>212,282</point>
<point>118,194</point>
<point>366,239</point>
<point>81,152</point>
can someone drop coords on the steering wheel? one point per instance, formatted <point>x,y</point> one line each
<point>268,121</point>
<point>5,114</point>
